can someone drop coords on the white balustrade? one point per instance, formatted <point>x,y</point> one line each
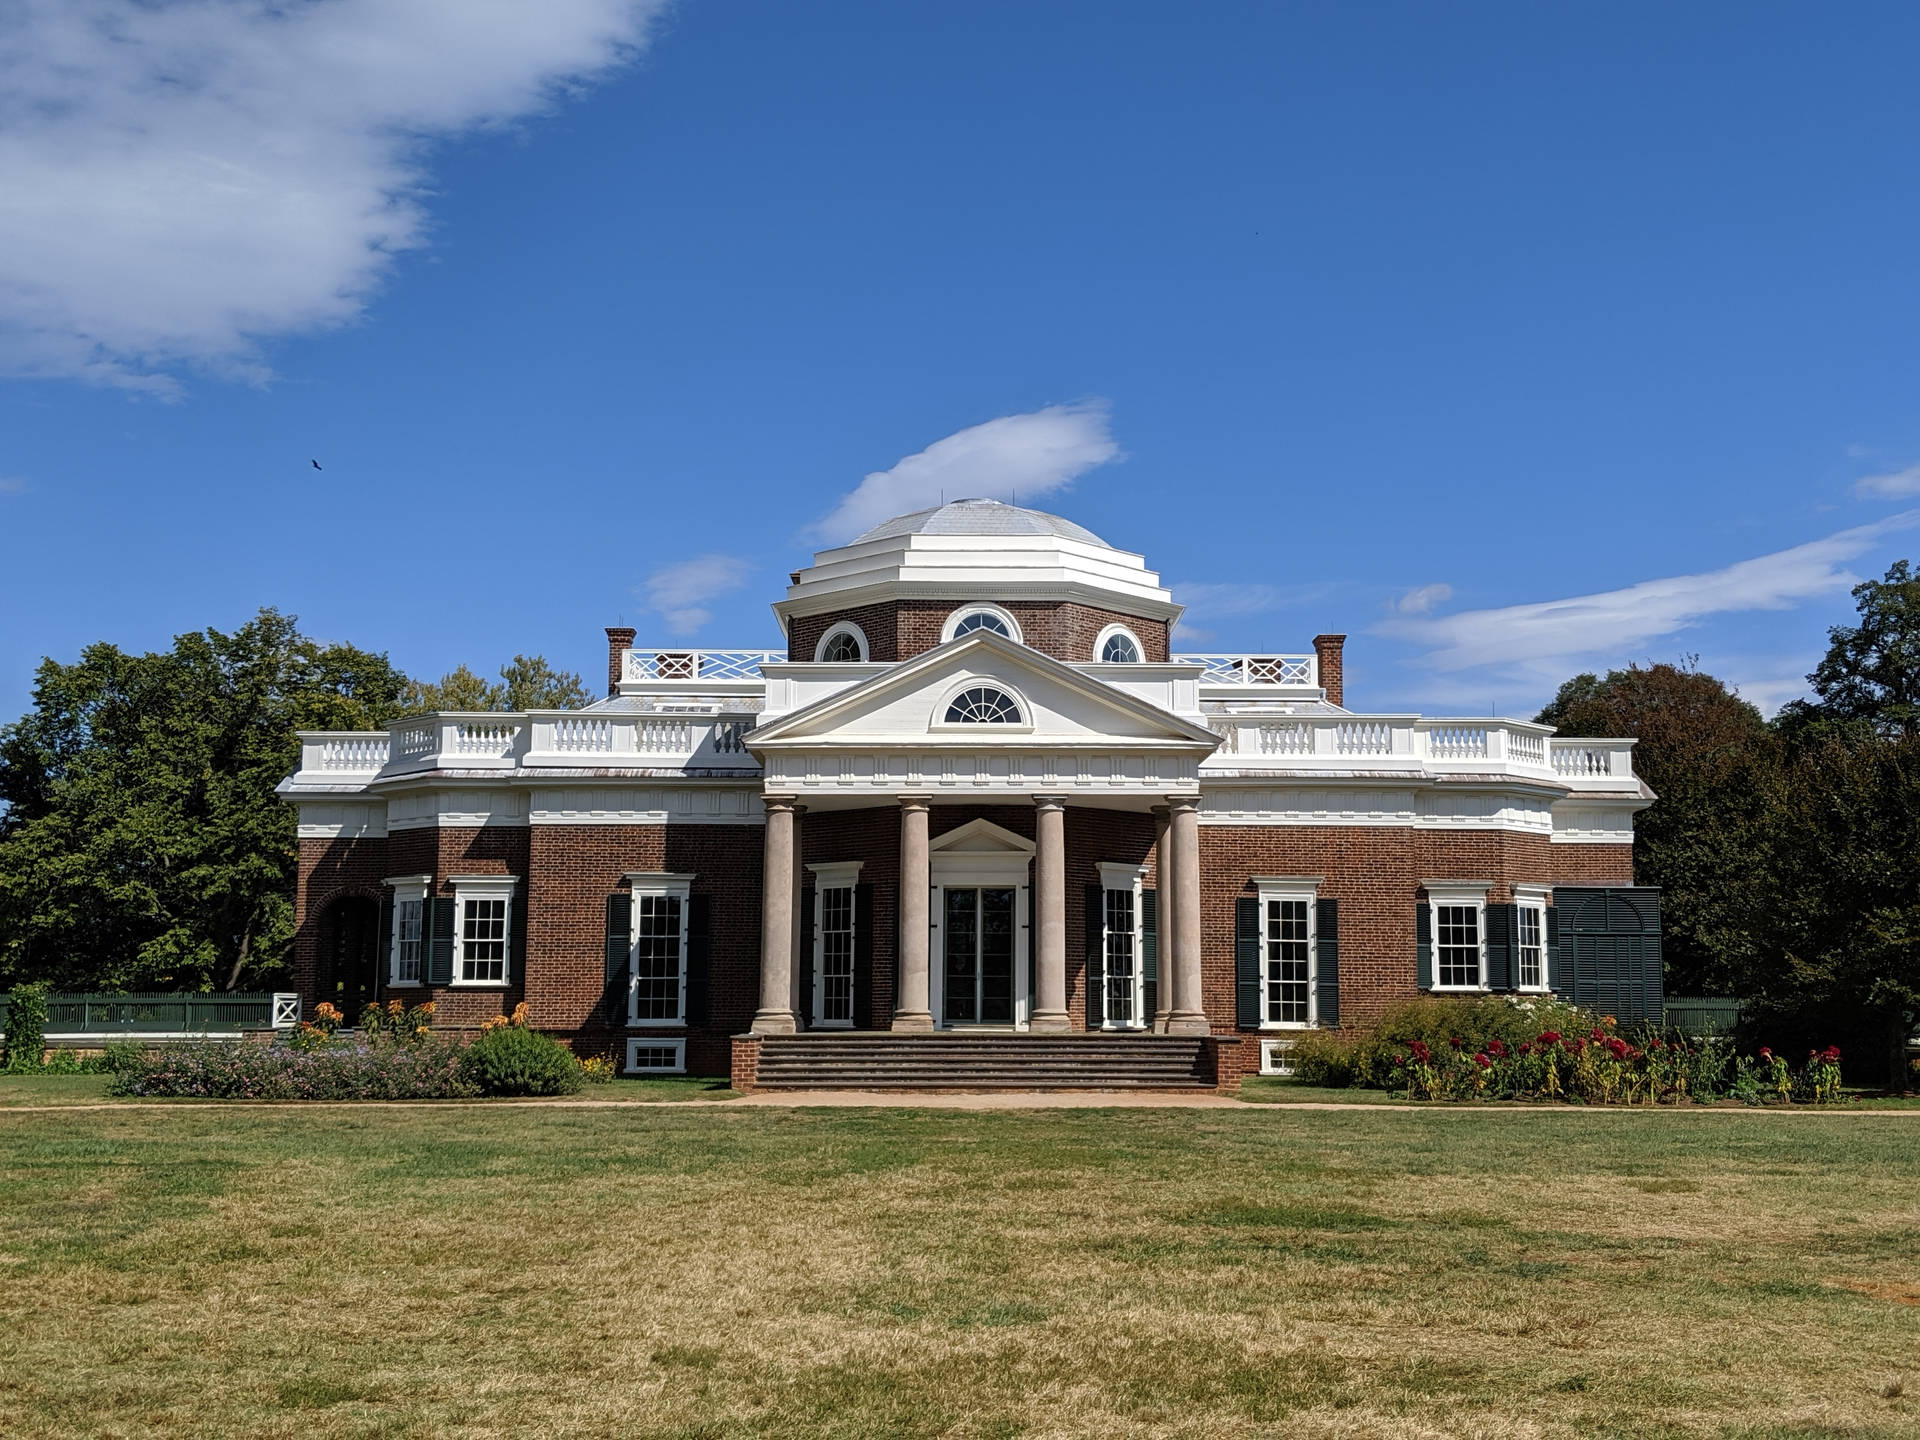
<point>1527,747</point>
<point>1456,742</point>
<point>1592,759</point>
<point>361,753</point>
<point>416,741</point>
<point>666,737</point>
<point>582,735</point>
<point>1294,670</point>
<point>484,740</point>
<point>1363,737</point>
<point>1286,739</point>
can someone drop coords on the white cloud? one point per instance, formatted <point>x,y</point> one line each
<point>12,485</point>
<point>681,593</point>
<point>1024,456</point>
<point>182,179</point>
<point>1421,601</point>
<point>1544,637</point>
<point>1894,485</point>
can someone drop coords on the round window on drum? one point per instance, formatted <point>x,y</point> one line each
<point>1120,649</point>
<point>983,705</point>
<point>981,620</point>
<point>841,649</point>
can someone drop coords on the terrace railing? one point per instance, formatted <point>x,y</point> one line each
<point>698,665</point>
<point>160,1015</point>
<point>1407,742</point>
<point>1293,671</point>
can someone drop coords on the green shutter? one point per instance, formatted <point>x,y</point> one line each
<point>863,957</point>
<point>517,936</point>
<point>1326,959</point>
<point>1096,957</point>
<point>808,919</point>
<point>699,923</point>
<point>1423,943</point>
<point>440,914</point>
<point>1246,961</point>
<point>619,984</point>
<point>1503,925</point>
<point>1149,955</point>
<point>383,969</point>
<point>1559,959</point>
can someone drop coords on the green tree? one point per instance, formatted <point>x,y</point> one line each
<point>141,845</point>
<point>1708,757</point>
<point>1871,672</point>
<point>527,682</point>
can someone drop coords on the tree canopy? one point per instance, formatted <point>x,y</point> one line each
<point>142,846</point>
<point>527,682</point>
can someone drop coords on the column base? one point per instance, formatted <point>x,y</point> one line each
<point>773,1022</point>
<point>1188,1022</point>
<point>919,1022</point>
<point>1049,1022</point>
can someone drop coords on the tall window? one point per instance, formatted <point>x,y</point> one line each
<point>659,948</point>
<point>407,921</point>
<point>1122,960</point>
<point>1289,947</point>
<point>1456,946</point>
<point>1530,945</point>
<point>483,940</point>
<point>836,955</point>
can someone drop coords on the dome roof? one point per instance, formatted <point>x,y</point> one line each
<point>981,517</point>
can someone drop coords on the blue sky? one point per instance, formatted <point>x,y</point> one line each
<point>1511,340</point>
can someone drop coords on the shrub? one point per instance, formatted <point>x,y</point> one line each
<point>121,1055</point>
<point>1330,1058</point>
<point>597,1069</point>
<point>26,1026</point>
<point>430,1070</point>
<point>512,1060</point>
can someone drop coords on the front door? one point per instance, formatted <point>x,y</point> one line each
<point>978,950</point>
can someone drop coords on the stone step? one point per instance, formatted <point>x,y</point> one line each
<point>973,1061</point>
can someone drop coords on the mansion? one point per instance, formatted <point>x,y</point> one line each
<point>974,823</point>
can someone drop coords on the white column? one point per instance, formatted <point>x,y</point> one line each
<point>775,1015</point>
<point>1050,915</point>
<point>1167,893</point>
<point>911,1010</point>
<point>1189,1015</point>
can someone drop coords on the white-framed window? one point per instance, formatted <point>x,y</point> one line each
<point>406,943</point>
<point>1530,958</point>
<point>845,643</point>
<point>983,705</point>
<point>482,929</point>
<point>1117,645</point>
<point>969,618</point>
<point>1123,996</point>
<point>835,934</point>
<point>657,992</point>
<point>1459,936</point>
<point>1289,940</point>
<point>656,1057</point>
<point>1276,1057</point>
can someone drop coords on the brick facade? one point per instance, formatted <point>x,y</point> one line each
<point>901,629</point>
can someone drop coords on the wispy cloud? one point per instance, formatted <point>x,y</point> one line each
<point>12,485</point>
<point>680,594</point>
<point>1027,456</point>
<point>1551,634</point>
<point>181,181</point>
<point>1893,485</point>
<point>1423,600</point>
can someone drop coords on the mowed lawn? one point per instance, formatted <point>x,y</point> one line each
<point>708,1269</point>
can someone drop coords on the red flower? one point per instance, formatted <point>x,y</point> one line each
<point>1549,1037</point>
<point>1482,1061</point>
<point>1657,1044</point>
<point>1598,1034</point>
<point>1496,1047</point>
<point>1766,1054</point>
<point>1526,1047</point>
<point>1420,1052</point>
<point>1399,1062</point>
<point>1618,1047</point>
<point>1831,1054</point>
<point>1455,1041</point>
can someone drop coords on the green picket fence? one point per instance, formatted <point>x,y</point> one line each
<point>224,1013</point>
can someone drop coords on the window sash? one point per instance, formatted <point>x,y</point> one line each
<point>658,961</point>
<point>1456,948</point>
<point>1287,961</point>
<point>1531,948</point>
<point>1120,976</point>
<point>483,939</point>
<point>836,954</point>
<point>409,922</point>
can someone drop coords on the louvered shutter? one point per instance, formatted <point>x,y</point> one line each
<point>1423,943</point>
<point>699,922</point>
<point>516,966</point>
<point>1503,924</point>
<point>383,965</point>
<point>809,917</point>
<point>1149,955</point>
<point>1246,961</point>
<point>1326,961</point>
<point>1096,957</point>
<point>863,957</point>
<point>440,951</point>
<point>619,980</point>
<point>1559,962</point>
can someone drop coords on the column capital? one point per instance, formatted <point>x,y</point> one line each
<point>1177,803</point>
<point>1050,802</point>
<point>780,802</point>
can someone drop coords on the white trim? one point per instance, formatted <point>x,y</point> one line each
<point>1307,890</point>
<point>999,869</point>
<point>657,884</point>
<point>637,1043</point>
<point>937,722</point>
<point>1459,893</point>
<point>1535,898</point>
<point>482,887</point>
<point>981,607</point>
<point>1131,878</point>
<point>1271,1053</point>
<point>1100,645</point>
<point>841,627</point>
<point>407,889</point>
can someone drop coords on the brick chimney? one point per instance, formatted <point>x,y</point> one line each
<point>1328,648</point>
<point>619,641</point>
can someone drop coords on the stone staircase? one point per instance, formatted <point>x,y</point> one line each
<point>982,1061</point>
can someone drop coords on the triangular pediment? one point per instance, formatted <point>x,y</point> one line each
<point>982,837</point>
<point>1057,705</point>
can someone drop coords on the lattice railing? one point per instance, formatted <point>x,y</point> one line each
<point>699,664</point>
<point>1252,669</point>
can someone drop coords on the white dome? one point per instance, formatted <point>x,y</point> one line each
<point>981,517</point>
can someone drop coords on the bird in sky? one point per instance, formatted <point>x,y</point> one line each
<point>314,463</point>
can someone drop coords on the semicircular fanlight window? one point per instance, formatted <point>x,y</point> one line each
<point>983,705</point>
<point>981,620</point>
<point>1120,650</point>
<point>841,649</point>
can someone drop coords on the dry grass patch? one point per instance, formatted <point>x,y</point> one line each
<point>691,1271</point>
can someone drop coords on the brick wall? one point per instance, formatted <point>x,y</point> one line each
<point>327,871</point>
<point>901,629</point>
<point>1593,864</point>
<point>872,836</point>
